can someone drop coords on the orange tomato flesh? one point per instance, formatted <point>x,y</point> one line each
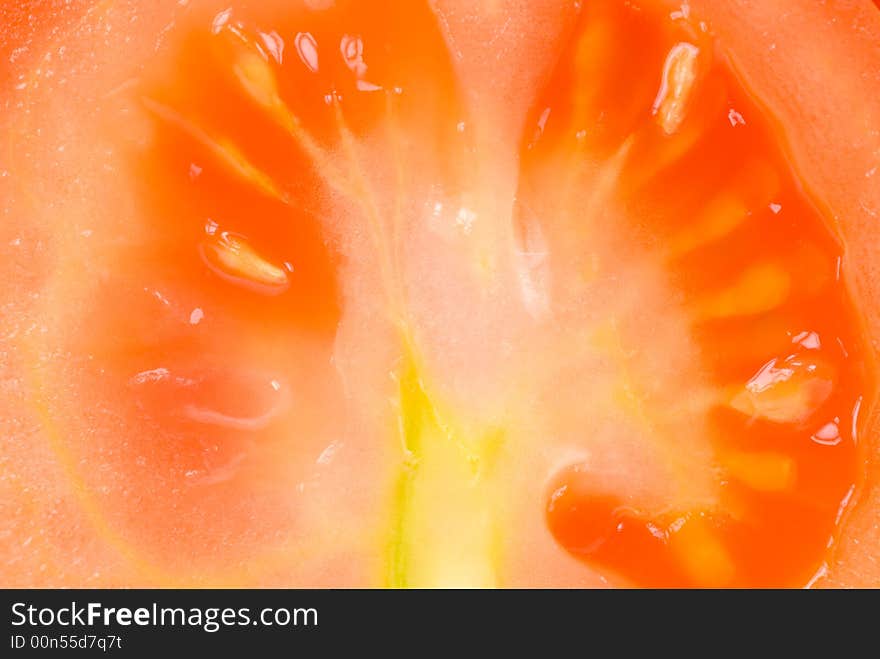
<point>759,273</point>
<point>643,137</point>
<point>213,333</point>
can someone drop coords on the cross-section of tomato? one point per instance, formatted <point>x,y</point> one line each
<point>679,239</point>
<point>262,185</point>
<point>318,293</point>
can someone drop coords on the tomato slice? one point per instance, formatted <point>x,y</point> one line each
<point>310,295</point>
<point>772,56</point>
<point>645,148</point>
<point>212,305</point>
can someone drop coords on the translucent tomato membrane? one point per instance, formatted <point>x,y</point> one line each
<point>213,335</point>
<point>253,138</point>
<point>784,477</point>
<point>234,292</point>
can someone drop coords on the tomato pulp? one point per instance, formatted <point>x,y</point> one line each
<point>318,333</point>
<point>694,175</point>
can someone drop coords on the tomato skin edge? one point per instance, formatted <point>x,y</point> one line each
<point>813,62</point>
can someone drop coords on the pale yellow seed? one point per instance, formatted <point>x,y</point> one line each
<point>223,149</point>
<point>722,216</point>
<point>235,160</point>
<point>752,188</point>
<point>257,78</point>
<point>764,471</point>
<point>232,258</point>
<point>597,39</point>
<point>786,391</point>
<point>701,554</point>
<point>760,288</point>
<point>677,86</point>
<point>260,83</point>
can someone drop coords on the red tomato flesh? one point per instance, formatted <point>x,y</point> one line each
<point>718,200</point>
<point>326,323</point>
